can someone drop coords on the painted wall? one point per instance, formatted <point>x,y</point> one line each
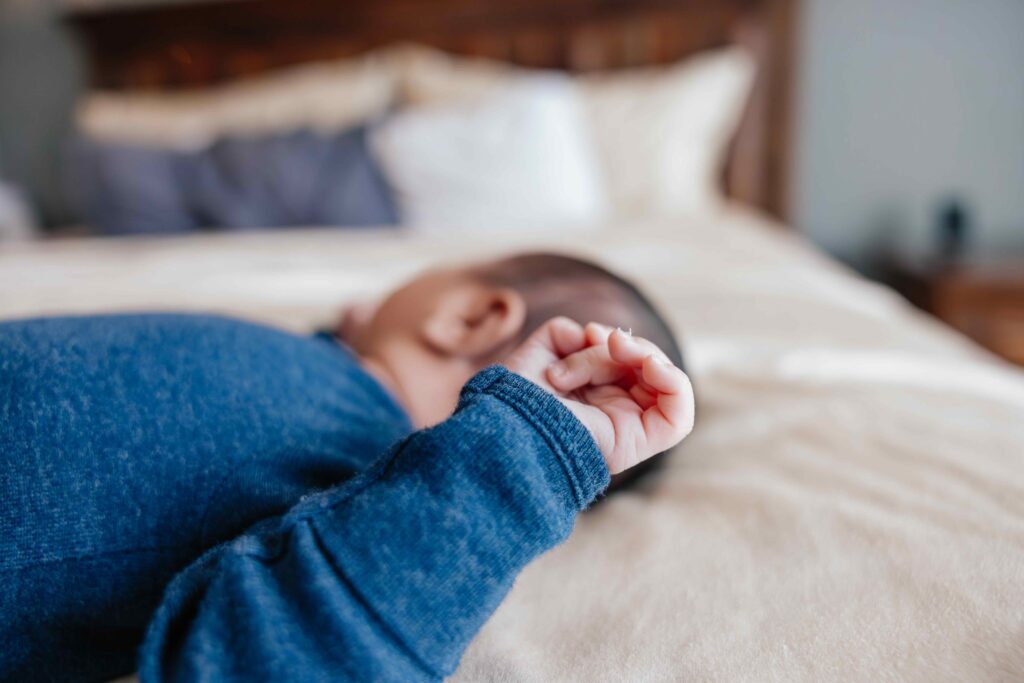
<point>41,73</point>
<point>903,102</point>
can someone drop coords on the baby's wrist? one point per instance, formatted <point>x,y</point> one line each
<point>570,439</point>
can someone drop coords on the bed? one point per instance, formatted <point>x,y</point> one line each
<point>850,505</point>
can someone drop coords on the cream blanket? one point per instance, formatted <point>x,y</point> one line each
<point>849,507</point>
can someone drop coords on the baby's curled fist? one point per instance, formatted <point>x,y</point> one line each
<point>624,389</point>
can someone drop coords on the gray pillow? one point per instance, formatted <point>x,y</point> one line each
<point>296,178</point>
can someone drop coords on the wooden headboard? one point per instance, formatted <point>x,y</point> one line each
<point>200,43</point>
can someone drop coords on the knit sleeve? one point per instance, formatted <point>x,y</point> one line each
<point>389,576</point>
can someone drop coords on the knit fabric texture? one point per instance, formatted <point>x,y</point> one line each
<point>133,445</point>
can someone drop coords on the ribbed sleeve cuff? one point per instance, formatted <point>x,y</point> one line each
<point>572,444</point>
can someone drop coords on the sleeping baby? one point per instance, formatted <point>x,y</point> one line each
<point>202,498</point>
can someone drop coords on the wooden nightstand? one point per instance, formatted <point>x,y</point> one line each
<point>981,297</point>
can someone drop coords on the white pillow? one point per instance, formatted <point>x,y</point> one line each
<point>661,133</point>
<point>521,159</point>
<point>326,97</point>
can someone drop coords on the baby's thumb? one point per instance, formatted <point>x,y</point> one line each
<point>551,341</point>
<point>561,336</point>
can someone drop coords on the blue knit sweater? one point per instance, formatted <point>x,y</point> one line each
<point>137,448</point>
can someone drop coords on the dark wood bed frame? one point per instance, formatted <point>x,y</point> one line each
<point>196,44</point>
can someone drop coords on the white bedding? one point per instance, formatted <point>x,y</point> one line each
<point>849,507</point>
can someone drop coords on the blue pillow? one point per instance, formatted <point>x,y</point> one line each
<point>123,189</point>
<point>296,178</point>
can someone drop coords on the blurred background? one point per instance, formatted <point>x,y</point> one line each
<point>903,126</point>
<point>824,198</point>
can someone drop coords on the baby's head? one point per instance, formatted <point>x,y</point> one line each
<point>427,338</point>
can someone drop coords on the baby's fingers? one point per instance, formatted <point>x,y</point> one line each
<point>561,336</point>
<point>659,374</point>
<point>597,333</point>
<point>671,418</point>
<point>629,350</point>
<point>554,339</point>
<point>589,366</point>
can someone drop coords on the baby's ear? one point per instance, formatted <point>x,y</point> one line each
<point>475,321</point>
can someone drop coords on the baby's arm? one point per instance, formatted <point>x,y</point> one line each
<point>389,576</point>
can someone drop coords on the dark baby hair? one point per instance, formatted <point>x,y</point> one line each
<point>558,285</point>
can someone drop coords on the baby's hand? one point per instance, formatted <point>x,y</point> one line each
<point>626,392</point>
